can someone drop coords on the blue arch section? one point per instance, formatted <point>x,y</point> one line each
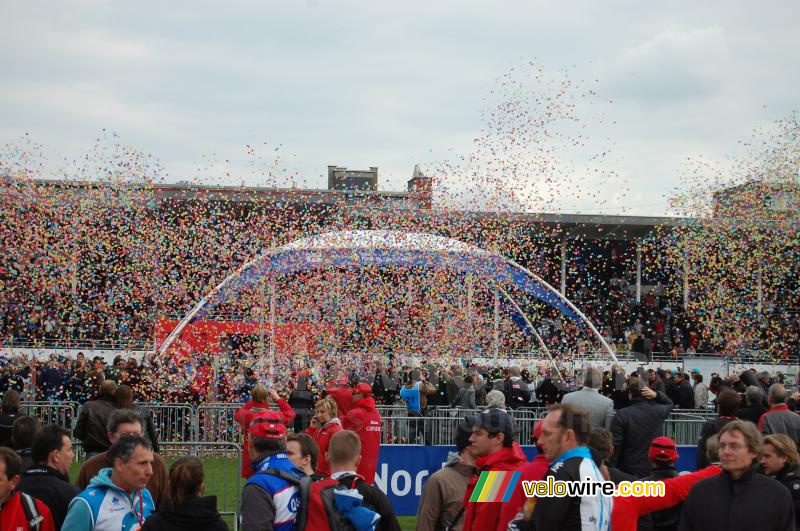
<point>490,267</point>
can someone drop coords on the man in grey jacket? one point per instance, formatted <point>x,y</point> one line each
<point>779,418</point>
<point>600,408</point>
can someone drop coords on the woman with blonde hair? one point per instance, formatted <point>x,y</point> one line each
<point>259,405</point>
<point>186,509</point>
<point>324,424</point>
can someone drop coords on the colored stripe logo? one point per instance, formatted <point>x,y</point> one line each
<point>495,486</point>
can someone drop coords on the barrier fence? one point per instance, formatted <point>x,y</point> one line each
<point>214,423</point>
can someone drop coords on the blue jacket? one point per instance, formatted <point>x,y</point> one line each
<point>269,501</point>
<point>103,506</point>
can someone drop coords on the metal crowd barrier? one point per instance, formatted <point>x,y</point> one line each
<point>213,423</point>
<point>61,413</point>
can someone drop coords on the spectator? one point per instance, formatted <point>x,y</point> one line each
<point>654,382</point>
<point>93,418</point>
<point>12,512</point>
<point>123,485</point>
<point>755,405</point>
<point>700,391</point>
<point>23,433</point>
<point>123,399</point>
<point>495,400</point>
<point>602,447</point>
<point>765,381</point>
<point>515,389</point>
<point>342,393</point>
<point>712,450</point>
<point>304,453</point>
<point>271,496</point>
<point>600,408</point>
<point>565,433</point>
<point>727,402</point>
<point>9,411</point>
<point>364,420</point>
<point>301,401</point>
<point>780,460</point>
<point>324,424</point>
<point>663,455</point>
<point>48,478</point>
<point>124,423</point>
<point>779,419</point>
<point>634,428</point>
<point>739,497</point>
<point>465,397</point>
<point>345,499</point>
<point>440,506</point>
<point>492,444</point>
<point>684,391</point>
<point>258,405</point>
<point>186,509</point>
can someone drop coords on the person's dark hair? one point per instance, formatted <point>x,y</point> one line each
<point>462,439</point>
<point>468,379</point>
<point>50,437</point>
<point>123,397</point>
<point>185,478</point>
<point>265,445</point>
<point>123,449</point>
<point>23,431</point>
<point>601,441</point>
<point>10,405</point>
<point>573,418</point>
<point>635,388</point>
<point>728,402</point>
<point>308,446</point>
<point>123,416</point>
<point>12,461</point>
<point>698,377</point>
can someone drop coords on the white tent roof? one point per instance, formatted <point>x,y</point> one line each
<point>383,239</point>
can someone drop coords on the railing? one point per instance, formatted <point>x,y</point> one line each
<point>214,423</point>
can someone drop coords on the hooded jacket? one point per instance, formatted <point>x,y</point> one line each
<point>105,507</point>
<point>365,420</point>
<point>196,514</point>
<point>482,516</point>
<point>322,436</point>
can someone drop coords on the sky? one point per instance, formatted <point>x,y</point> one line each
<point>225,92</point>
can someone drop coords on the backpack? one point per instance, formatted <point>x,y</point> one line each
<point>31,514</point>
<point>304,486</point>
<point>337,520</point>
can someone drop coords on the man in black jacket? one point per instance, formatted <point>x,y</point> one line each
<point>727,402</point>
<point>780,460</point>
<point>685,392</point>
<point>91,425</point>
<point>756,405</point>
<point>48,478</point>
<point>739,498</point>
<point>634,428</point>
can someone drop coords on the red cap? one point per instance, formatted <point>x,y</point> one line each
<point>363,389</point>
<point>267,427</point>
<point>663,449</point>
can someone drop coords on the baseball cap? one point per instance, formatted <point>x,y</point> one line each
<point>663,449</point>
<point>268,427</point>
<point>492,420</point>
<point>695,371</point>
<point>363,389</point>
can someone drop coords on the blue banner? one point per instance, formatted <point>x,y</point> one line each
<point>403,470</point>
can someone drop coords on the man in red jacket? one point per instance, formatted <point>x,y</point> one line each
<point>342,393</point>
<point>12,511</point>
<point>364,419</point>
<point>492,443</point>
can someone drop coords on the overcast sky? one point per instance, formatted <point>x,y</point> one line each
<point>392,84</point>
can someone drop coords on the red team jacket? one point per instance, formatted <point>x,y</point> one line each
<point>486,515</point>
<point>364,419</point>
<point>323,437</point>
<point>12,515</point>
